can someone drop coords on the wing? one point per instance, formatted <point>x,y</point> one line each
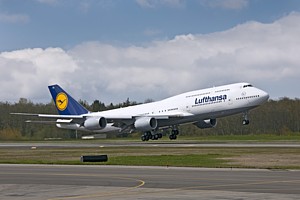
<point>61,119</point>
<point>128,123</point>
<point>124,123</point>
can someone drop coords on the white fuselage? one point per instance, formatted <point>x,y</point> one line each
<point>188,107</point>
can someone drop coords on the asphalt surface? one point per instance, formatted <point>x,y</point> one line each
<point>53,182</point>
<point>145,144</point>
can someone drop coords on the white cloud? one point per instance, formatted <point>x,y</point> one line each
<point>263,54</point>
<point>26,73</point>
<point>14,18</point>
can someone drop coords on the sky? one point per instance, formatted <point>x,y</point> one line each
<point>111,50</point>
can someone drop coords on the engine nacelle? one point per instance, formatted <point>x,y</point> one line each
<point>208,123</point>
<point>145,124</point>
<point>95,123</point>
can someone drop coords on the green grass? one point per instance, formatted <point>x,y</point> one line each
<point>137,156</point>
<point>255,138</point>
<point>163,160</point>
<point>291,137</point>
<point>206,160</point>
<point>273,158</point>
<point>284,158</point>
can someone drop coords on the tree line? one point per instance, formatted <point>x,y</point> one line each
<point>278,117</point>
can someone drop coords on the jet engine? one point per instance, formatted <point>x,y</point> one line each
<point>207,123</point>
<point>145,123</point>
<point>95,123</point>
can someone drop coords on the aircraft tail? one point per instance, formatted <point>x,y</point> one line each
<point>64,103</point>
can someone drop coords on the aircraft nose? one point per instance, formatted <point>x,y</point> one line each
<point>264,95</point>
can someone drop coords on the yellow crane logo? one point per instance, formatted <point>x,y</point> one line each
<point>61,101</point>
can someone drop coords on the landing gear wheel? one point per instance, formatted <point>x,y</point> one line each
<point>143,138</point>
<point>246,122</point>
<point>146,136</point>
<point>154,137</point>
<point>173,137</point>
<point>175,132</point>
<point>151,135</point>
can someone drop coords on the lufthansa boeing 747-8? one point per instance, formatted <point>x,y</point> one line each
<point>200,107</point>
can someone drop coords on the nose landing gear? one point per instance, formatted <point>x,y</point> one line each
<point>246,119</point>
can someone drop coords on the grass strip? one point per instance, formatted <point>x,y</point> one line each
<point>204,160</point>
<point>253,157</point>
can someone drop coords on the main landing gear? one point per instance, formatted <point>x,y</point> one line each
<point>152,135</point>
<point>246,120</point>
<point>173,135</point>
<point>149,135</point>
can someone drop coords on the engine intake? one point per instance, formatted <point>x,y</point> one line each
<point>207,123</point>
<point>145,124</point>
<point>95,123</point>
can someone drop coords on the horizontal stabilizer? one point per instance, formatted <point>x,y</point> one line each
<point>50,116</point>
<point>41,122</point>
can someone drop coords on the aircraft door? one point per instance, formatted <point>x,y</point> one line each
<point>230,101</point>
<point>188,108</point>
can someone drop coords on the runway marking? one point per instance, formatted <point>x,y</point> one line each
<point>112,193</point>
<point>119,192</point>
<point>215,187</point>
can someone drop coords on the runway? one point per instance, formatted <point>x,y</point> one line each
<point>53,182</point>
<point>146,144</point>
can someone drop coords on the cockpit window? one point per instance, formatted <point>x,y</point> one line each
<point>247,86</point>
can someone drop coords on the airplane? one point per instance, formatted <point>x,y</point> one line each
<point>199,107</point>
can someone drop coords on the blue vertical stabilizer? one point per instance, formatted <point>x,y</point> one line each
<point>64,103</point>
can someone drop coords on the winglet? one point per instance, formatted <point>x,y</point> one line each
<point>64,103</point>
